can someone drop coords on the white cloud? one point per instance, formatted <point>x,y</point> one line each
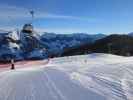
<point>12,15</point>
<point>14,12</point>
<point>61,30</point>
<point>7,11</point>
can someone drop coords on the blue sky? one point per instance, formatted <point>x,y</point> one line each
<point>69,16</point>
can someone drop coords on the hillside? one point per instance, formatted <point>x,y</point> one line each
<point>57,43</point>
<point>114,44</point>
<point>86,77</point>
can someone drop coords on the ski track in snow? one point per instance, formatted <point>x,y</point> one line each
<point>88,77</point>
<point>52,84</point>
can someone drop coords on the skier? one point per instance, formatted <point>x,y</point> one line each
<point>12,64</point>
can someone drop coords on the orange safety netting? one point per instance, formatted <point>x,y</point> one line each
<point>26,63</point>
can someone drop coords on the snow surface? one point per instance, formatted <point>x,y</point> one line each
<point>87,77</point>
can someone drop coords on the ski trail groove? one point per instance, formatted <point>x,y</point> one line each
<point>54,86</point>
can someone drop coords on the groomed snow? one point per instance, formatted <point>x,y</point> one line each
<point>88,77</point>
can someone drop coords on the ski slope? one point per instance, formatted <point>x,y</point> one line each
<point>87,77</point>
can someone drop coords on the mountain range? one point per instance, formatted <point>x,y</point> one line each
<point>114,44</point>
<point>22,46</point>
